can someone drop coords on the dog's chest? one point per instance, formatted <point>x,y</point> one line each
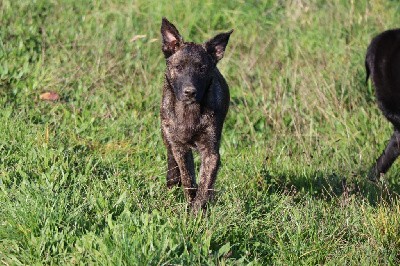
<point>186,127</point>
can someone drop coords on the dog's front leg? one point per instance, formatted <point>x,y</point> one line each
<point>173,174</point>
<point>210,161</point>
<point>387,158</point>
<point>184,159</point>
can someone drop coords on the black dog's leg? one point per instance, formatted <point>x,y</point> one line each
<point>210,162</point>
<point>173,174</point>
<point>387,158</point>
<point>185,162</point>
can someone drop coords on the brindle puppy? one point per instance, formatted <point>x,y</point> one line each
<point>194,105</point>
<point>383,63</point>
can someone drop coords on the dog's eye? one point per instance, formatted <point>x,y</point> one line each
<point>179,67</point>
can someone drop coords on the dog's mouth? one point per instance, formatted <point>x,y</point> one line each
<point>189,101</point>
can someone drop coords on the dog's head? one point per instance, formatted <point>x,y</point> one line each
<point>190,66</point>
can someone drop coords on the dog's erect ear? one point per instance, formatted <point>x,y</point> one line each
<point>171,39</point>
<point>216,46</point>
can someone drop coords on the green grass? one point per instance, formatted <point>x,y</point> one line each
<point>82,180</point>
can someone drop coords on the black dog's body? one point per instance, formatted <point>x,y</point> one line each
<point>383,63</point>
<point>194,105</point>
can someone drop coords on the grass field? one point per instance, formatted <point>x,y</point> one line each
<point>82,179</point>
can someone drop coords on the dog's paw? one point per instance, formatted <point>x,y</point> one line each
<point>197,207</point>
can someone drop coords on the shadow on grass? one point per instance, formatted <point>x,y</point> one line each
<point>330,185</point>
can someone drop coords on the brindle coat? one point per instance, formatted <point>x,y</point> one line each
<point>194,105</point>
<point>383,63</point>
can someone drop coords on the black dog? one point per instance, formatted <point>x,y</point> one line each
<point>383,63</point>
<point>194,105</point>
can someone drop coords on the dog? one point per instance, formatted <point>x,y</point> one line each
<point>194,105</point>
<point>382,62</point>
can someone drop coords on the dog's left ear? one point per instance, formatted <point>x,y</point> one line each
<point>216,46</point>
<point>171,39</point>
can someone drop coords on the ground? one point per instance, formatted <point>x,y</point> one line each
<point>82,178</point>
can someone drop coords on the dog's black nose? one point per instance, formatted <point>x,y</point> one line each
<point>189,92</point>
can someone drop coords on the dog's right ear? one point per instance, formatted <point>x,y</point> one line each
<point>171,39</point>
